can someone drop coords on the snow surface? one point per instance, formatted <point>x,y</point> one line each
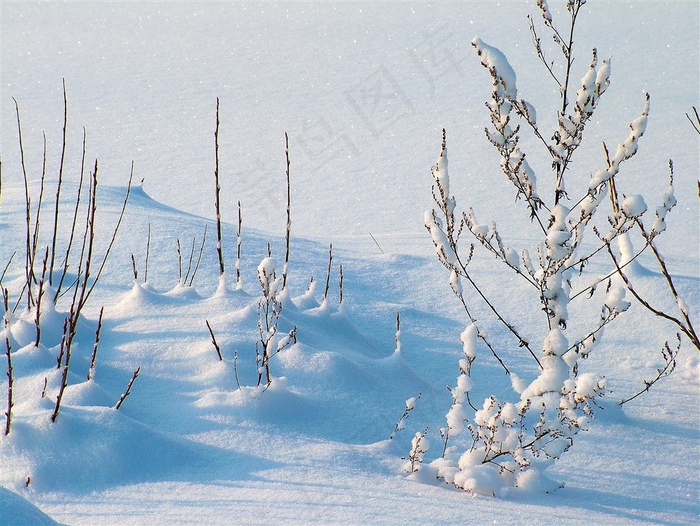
<point>364,91</point>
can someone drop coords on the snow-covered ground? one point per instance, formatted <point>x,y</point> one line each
<point>363,90</point>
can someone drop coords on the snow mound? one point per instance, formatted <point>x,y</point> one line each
<point>15,510</point>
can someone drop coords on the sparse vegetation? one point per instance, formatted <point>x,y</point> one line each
<point>547,334</point>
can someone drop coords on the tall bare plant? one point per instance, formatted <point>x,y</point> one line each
<point>10,370</point>
<point>83,234</point>
<point>288,230</point>
<point>217,202</point>
<point>58,184</point>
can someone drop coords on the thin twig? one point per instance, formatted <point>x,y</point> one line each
<point>238,247</point>
<point>686,328</point>
<point>189,262</point>
<point>93,357</point>
<point>28,262</point>
<point>148,254</point>
<point>86,248</point>
<point>340,285</point>
<point>465,273</point>
<point>537,43</point>
<point>37,221</point>
<point>696,123</point>
<point>128,388</point>
<point>10,381</point>
<point>114,233</point>
<point>591,289</point>
<point>287,236</point>
<point>218,190</point>
<point>68,330</point>
<point>74,222</point>
<point>62,347</point>
<point>235,368</point>
<point>406,413</point>
<point>375,242</point>
<point>133,267</point>
<point>179,262</point>
<point>199,257</point>
<point>328,274</point>
<point>58,185</point>
<point>9,262</point>
<point>568,54</point>
<point>213,340</point>
<point>669,366</point>
<point>39,295</point>
<point>10,371</point>
<point>397,336</point>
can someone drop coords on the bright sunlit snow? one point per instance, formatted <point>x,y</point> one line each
<point>363,91</point>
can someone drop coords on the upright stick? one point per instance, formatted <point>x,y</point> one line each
<point>37,319</point>
<point>58,185</point>
<point>128,388</point>
<point>218,190</point>
<point>148,253</point>
<point>28,262</point>
<point>238,247</point>
<point>340,285</point>
<point>73,223</point>
<point>328,274</point>
<point>10,379</point>
<point>93,358</point>
<point>289,216</point>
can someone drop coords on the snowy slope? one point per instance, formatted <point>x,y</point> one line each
<point>363,91</point>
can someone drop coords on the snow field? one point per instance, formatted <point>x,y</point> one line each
<point>364,95</point>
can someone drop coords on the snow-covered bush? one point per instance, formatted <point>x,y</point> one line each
<point>511,442</point>
<point>419,447</point>
<point>410,406</point>
<point>270,342</point>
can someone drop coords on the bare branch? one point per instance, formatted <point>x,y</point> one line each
<point>669,355</point>
<point>58,185</point>
<point>219,249</point>
<point>10,371</point>
<point>695,120</point>
<point>287,236</point>
<point>213,340</point>
<point>128,388</point>
<point>93,357</point>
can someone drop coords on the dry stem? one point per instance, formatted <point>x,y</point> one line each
<point>218,191</point>
<point>289,216</point>
<point>128,388</point>
<point>213,340</point>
